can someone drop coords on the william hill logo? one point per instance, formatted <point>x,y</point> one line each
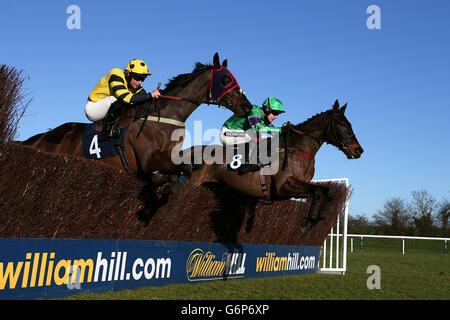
<point>202,266</point>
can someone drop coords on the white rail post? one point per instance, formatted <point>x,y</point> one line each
<point>340,264</point>
<point>331,248</point>
<point>344,236</point>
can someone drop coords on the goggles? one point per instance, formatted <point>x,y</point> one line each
<point>275,112</point>
<point>138,77</point>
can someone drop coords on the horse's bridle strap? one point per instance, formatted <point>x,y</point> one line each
<point>297,152</point>
<point>303,154</point>
<point>165,120</point>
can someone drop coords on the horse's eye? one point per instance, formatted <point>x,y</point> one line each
<point>225,81</point>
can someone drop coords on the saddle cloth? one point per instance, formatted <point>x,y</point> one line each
<point>238,158</point>
<point>95,149</point>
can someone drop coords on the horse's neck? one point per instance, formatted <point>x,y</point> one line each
<point>181,110</point>
<point>314,130</point>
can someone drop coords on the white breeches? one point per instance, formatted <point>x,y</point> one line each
<point>96,111</point>
<point>232,137</point>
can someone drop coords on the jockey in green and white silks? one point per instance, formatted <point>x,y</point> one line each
<point>244,133</point>
<point>260,120</point>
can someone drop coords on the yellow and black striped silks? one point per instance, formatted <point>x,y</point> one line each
<point>115,84</point>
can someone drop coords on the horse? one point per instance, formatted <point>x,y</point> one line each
<point>296,154</point>
<point>147,143</point>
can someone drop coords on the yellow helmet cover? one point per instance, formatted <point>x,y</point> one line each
<point>138,67</point>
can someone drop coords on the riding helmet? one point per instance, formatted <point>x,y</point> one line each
<point>138,67</point>
<point>273,104</point>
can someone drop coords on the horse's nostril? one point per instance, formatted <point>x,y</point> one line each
<point>359,150</point>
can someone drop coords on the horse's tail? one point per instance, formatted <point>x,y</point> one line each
<point>31,141</point>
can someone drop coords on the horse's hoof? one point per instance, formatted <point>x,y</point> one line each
<point>163,190</point>
<point>305,230</point>
<point>306,227</point>
<point>175,187</point>
<point>159,178</point>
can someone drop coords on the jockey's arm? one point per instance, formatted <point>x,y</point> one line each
<point>260,127</point>
<point>120,91</point>
<point>256,122</point>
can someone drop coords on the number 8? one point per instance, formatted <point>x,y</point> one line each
<point>236,163</point>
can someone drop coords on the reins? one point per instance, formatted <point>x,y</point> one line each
<point>148,112</point>
<point>179,99</point>
<point>294,151</point>
<point>209,102</point>
<point>158,110</point>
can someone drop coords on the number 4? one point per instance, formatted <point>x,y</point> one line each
<point>93,148</point>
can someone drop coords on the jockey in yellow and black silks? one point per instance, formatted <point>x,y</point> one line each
<point>117,89</point>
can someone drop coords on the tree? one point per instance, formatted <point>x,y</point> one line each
<point>422,207</point>
<point>394,218</point>
<point>12,102</point>
<point>358,225</point>
<point>442,216</point>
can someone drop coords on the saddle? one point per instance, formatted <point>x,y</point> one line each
<point>123,121</point>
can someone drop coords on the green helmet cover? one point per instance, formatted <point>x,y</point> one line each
<point>273,104</point>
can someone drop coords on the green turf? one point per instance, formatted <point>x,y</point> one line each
<point>422,273</point>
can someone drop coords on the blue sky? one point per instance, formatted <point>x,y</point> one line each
<point>396,80</point>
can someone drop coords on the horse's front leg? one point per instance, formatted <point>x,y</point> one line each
<point>321,197</point>
<point>174,180</point>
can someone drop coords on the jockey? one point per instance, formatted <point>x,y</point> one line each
<point>118,89</point>
<point>260,120</point>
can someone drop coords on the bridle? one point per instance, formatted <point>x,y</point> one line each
<point>337,140</point>
<point>216,92</point>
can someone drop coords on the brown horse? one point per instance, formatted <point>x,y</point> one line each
<point>296,159</point>
<point>147,141</point>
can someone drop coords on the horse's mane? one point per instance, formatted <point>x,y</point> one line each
<point>307,121</point>
<point>181,80</point>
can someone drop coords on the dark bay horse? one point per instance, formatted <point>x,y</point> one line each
<point>147,141</point>
<point>296,163</point>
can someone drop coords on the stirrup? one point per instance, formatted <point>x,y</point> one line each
<point>246,168</point>
<point>110,132</point>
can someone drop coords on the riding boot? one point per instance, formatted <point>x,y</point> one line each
<point>247,165</point>
<point>111,122</point>
<point>266,160</point>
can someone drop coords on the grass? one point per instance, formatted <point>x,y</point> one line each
<point>423,273</point>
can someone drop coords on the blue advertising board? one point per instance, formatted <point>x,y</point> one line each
<point>50,268</point>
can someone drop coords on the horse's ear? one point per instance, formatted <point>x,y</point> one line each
<point>343,108</point>
<point>225,63</point>
<point>336,106</point>
<point>216,61</point>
